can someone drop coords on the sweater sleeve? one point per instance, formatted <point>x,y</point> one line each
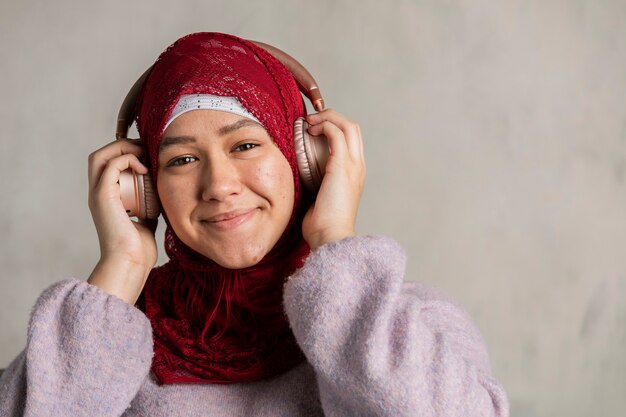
<point>87,354</point>
<point>382,347</point>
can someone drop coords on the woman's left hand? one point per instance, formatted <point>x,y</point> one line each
<point>333,215</point>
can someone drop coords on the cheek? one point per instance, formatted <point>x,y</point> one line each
<point>171,201</point>
<point>276,180</point>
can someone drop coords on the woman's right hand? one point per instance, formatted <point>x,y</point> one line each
<point>127,248</point>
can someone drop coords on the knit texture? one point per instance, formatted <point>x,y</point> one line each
<point>375,346</point>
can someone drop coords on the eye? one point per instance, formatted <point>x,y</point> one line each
<point>183,160</point>
<point>245,147</point>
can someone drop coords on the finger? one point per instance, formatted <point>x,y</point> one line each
<point>99,158</point>
<point>355,144</point>
<point>333,116</point>
<point>111,172</point>
<point>351,130</point>
<point>361,146</point>
<point>335,136</point>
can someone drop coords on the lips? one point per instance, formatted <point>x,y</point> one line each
<point>231,219</point>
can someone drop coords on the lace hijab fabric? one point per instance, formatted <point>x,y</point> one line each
<point>212,324</point>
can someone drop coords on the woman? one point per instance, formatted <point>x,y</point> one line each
<point>270,304</point>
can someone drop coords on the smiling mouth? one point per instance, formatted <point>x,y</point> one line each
<point>230,220</point>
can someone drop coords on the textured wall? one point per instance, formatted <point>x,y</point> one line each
<point>495,137</point>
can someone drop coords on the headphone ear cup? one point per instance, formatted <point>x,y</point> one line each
<point>138,196</point>
<point>311,154</point>
<point>152,206</point>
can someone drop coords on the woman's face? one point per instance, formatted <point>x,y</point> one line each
<point>226,188</point>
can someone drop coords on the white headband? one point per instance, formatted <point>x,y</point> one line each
<point>189,102</point>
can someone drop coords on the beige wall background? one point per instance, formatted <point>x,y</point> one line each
<point>495,136</point>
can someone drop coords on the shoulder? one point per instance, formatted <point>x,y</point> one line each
<point>365,250</point>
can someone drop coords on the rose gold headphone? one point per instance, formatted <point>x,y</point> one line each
<point>137,191</point>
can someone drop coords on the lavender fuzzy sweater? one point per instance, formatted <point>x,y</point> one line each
<point>376,346</point>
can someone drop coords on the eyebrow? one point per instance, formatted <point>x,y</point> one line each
<point>175,140</point>
<point>224,130</point>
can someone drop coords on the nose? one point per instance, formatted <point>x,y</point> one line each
<point>220,179</point>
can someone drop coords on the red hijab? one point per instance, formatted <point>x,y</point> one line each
<point>212,324</point>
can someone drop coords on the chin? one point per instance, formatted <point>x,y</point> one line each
<point>235,264</point>
<point>243,257</point>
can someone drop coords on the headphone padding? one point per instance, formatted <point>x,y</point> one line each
<point>151,201</point>
<point>303,154</point>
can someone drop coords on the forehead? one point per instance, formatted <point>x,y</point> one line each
<point>198,123</point>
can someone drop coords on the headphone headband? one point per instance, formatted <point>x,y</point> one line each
<point>305,81</point>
